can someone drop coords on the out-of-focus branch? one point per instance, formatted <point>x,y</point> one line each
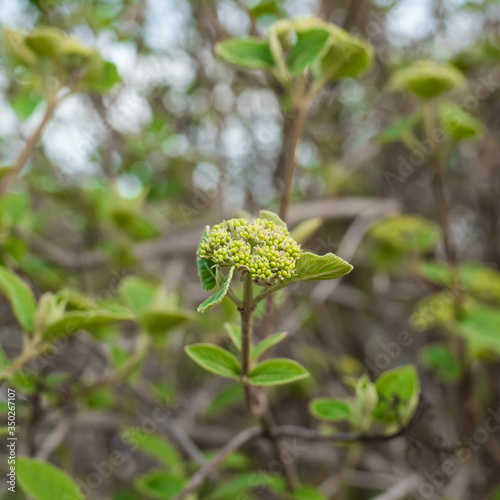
<point>232,445</point>
<point>185,242</point>
<point>281,431</point>
<point>29,147</point>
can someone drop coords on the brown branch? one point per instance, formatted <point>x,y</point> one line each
<point>293,137</point>
<point>30,145</point>
<point>231,446</point>
<point>250,434</point>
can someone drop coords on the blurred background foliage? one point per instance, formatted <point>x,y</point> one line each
<point>160,137</point>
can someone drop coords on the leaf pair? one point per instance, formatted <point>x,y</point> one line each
<point>66,55</point>
<point>392,400</point>
<point>292,46</point>
<point>217,360</point>
<point>155,311</point>
<point>49,317</point>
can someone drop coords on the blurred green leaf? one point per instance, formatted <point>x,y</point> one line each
<point>458,123</point>
<point>306,492</point>
<point>20,296</point>
<point>306,229</point>
<point>159,484</point>
<point>398,390</point>
<point>310,46</point>
<point>480,326</point>
<point>155,446</point>
<point>44,481</point>
<point>137,293</point>
<point>426,79</point>
<point>330,409</point>
<point>157,321</point>
<point>440,359</point>
<point>398,129</point>
<point>83,320</point>
<point>225,399</point>
<point>253,53</point>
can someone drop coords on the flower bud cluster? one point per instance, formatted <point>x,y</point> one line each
<point>260,246</point>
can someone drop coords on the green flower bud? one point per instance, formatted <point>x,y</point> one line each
<point>264,249</point>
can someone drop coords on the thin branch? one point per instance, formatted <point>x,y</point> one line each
<point>30,145</point>
<point>248,435</point>
<point>231,446</point>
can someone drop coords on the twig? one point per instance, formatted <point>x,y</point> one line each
<point>350,243</point>
<point>177,432</point>
<point>30,145</point>
<point>232,445</point>
<point>401,489</point>
<point>248,435</point>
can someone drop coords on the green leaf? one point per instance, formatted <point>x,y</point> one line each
<point>137,293</point>
<point>45,41</point>
<point>265,8</point>
<point>237,486</point>
<point>480,325</point>
<point>44,481</point>
<point>16,49</point>
<point>153,445</point>
<point>398,390</point>
<point>347,57</point>
<point>312,267</point>
<point>83,320</point>
<point>234,332</point>
<point>306,492</point>
<point>5,169</point>
<point>426,79</point>
<point>458,123</point>
<point>206,271</point>
<point>407,232</point>
<point>158,321</point>
<point>225,399</point>
<point>216,298</point>
<point>160,484</point>
<point>50,308</point>
<point>24,103</point>
<point>398,129</point>
<point>271,216</point>
<point>310,46</point>
<point>107,78</point>
<point>253,53</point>
<point>277,371</point>
<point>441,359</point>
<point>266,344</point>
<point>214,359</point>
<point>306,229</point>
<point>20,296</point>
<point>330,409</point>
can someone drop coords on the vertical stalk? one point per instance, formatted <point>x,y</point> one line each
<point>246,314</point>
<point>439,164</point>
<point>295,133</point>
<point>256,401</point>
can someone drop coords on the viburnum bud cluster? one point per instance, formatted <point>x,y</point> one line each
<point>261,246</point>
